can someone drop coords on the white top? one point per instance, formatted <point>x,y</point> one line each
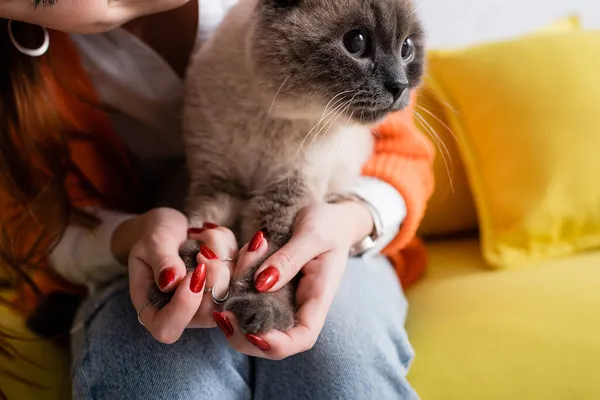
<point>147,95</point>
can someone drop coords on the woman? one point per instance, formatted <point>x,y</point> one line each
<point>79,189</point>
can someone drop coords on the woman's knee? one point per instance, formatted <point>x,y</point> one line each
<point>363,349</point>
<point>364,337</point>
<point>117,358</point>
<point>348,361</point>
<point>368,313</point>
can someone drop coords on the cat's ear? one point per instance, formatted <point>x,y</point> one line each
<point>283,3</point>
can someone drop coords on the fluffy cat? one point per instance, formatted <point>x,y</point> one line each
<point>279,110</point>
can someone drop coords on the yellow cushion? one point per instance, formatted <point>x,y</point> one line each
<point>451,208</point>
<point>48,366</point>
<point>530,333</point>
<point>528,130</point>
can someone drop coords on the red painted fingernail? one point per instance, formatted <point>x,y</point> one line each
<point>267,279</point>
<point>258,342</point>
<point>198,278</point>
<point>195,231</point>
<point>209,225</point>
<point>166,278</point>
<point>223,323</point>
<point>256,241</point>
<point>207,253</point>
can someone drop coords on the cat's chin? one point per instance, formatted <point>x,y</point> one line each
<point>370,117</point>
<point>314,115</point>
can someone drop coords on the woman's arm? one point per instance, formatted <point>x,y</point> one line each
<point>389,210</point>
<point>88,256</point>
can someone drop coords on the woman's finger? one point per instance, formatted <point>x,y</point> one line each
<point>167,230</point>
<point>160,251</point>
<point>218,249</point>
<point>275,345</point>
<point>315,294</point>
<point>228,324</point>
<point>303,336</point>
<point>166,325</point>
<point>250,254</point>
<point>285,264</point>
<point>217,245</point>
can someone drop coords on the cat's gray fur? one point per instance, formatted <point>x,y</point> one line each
<point>278,115</point>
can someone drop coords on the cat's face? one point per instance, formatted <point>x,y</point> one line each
<point>345,59</point>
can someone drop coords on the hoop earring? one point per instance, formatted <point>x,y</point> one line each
<point>40,51</point>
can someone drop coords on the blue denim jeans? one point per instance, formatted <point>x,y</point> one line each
<point>362,353</point>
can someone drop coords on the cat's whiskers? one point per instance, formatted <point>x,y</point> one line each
<point>438,99</point>
<point>333,98</point>
<point>328,125</point>
<point>323,116</point>
<point>345,109</point>
<point>337,146</point>
<point>448,129</point>
<point>339,111</point>
<point>446,156</point>
<point>277,93</point>
<point>338,108</point>
<point>435,136</point>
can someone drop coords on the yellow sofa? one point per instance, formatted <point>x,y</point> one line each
<point>527,334</point>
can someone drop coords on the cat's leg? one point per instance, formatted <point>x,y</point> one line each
<point>273,211</point>
<point>220,209</point>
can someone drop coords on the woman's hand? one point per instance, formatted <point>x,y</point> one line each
<point>319,247</point>
<point>154,259</point>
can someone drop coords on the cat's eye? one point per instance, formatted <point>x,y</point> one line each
<point>356,42</point>
<point>286,3</point>
<point>408,50</point>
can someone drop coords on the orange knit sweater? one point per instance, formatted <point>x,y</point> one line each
<point>403,158</point>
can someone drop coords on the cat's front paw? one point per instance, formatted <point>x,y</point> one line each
<point>261,312</point>
<point>157,298</point>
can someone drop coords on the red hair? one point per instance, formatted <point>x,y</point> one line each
<point>57,155</point>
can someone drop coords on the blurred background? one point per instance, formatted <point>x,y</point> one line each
<point>509,306</point>
<point>463,22</point>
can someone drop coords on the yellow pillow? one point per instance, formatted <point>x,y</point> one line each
<point>528,129</point>
<point>451,208</point>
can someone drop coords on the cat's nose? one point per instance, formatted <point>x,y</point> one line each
<point>396,88</point>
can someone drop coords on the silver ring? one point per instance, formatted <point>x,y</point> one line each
<point>40,51</point>
<point>139,311</point>
<point>216,299</point>
<point>228,259</point>
<point>208,289</point>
